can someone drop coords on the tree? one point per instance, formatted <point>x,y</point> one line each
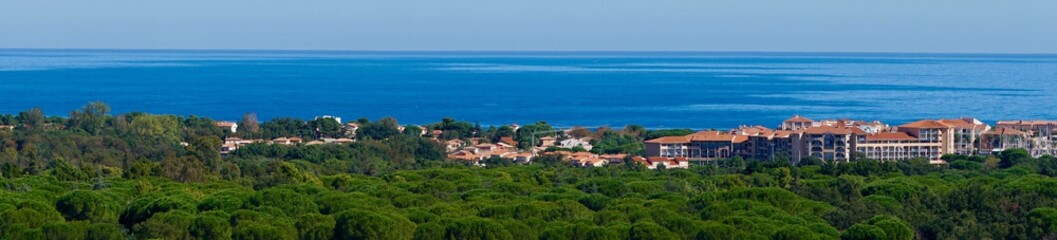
<point>412,130</point>
<point>315,227</point>
<point>361,224</point>
<point>32,119</point>
<point>91,118</point>
<point>326,127</point>
<point>579,132</point>
<point>86,205</point>
<point>1043,223</point>
<point>880,227</point>
<point>648,230</point>
<point>210,227</point>
<point>1013,156</point>
<point>161,126</point>
<point>382,129</point>
<point>249,122</point>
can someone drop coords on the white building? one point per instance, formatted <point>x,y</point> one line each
<point>574,142</point>
<point>232,126</point>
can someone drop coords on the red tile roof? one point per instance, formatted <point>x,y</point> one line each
<point>670,140</point>
<point>1027,122</point>
<point>508,140</point>
<point>926,124</point>
<point>1005,131</point>
<point>797,118</point>
<point>740,139</point>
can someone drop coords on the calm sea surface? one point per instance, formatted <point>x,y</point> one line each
<point>696,90</point>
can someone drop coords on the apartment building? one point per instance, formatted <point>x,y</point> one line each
<point>1002,138</point>
<point>698,147</point>
<point>845,140</point>
<point>1042,135</point>
<point>967,132</point>
<point>826,143</point>
<point>764,143</point>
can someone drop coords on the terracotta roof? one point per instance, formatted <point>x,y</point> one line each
<point>964,123</point>
<point>651,160</point>
<point>1027,122</point>
<point>926,124</point>
<point>1005,131</point>
<point>670,139</point>
<point>508,140</point>
<point>754,130</point>
<point>740,139</point>
<point>711,136</point>
<point>782,133</point>
<point>614,156</point>
<point>889,136</point>
<point>798,118</point>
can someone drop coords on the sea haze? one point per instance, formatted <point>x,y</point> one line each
<point>663,90</point>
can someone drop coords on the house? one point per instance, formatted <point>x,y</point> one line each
<point>547,141</point>
<point>525,157</point>
<point>614,158</point>
<point>508,140</point>
<point>504,145</point>
<point>466,156</point>
<point>230,126</point>
<point>336,119</point>
<point>665,162</point>
<point>7,127</point>
<point>352,127</point>
<point>227,148</point>
<point>454,144</point>
<point>590,162</point>
<point>574,142</point>
<point>287,140</point>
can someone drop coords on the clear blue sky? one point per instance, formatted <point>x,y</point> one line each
<point>1016,26</point>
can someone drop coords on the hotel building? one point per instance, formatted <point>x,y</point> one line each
<point>845,140</point>
<point>1042,135</point>
<point>698,147</point>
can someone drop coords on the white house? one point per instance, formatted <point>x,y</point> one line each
<point>228,125</point>
<point>575,142</point>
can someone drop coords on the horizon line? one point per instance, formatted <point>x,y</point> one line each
<point>513,51</point>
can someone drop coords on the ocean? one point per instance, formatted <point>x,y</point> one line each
<point>654,89</point>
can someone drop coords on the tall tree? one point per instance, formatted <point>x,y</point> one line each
<point>91,118</point>
<point>32,118</point>
<point>249,122</point>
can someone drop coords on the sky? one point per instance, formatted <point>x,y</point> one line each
<point>959,26</point>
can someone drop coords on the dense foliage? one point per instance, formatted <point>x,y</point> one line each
<point>92,176</point>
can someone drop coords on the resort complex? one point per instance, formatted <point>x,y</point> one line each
<point>793,140</point>
<point>845,140</point>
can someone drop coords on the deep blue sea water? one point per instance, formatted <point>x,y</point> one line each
<point>696,90</point>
